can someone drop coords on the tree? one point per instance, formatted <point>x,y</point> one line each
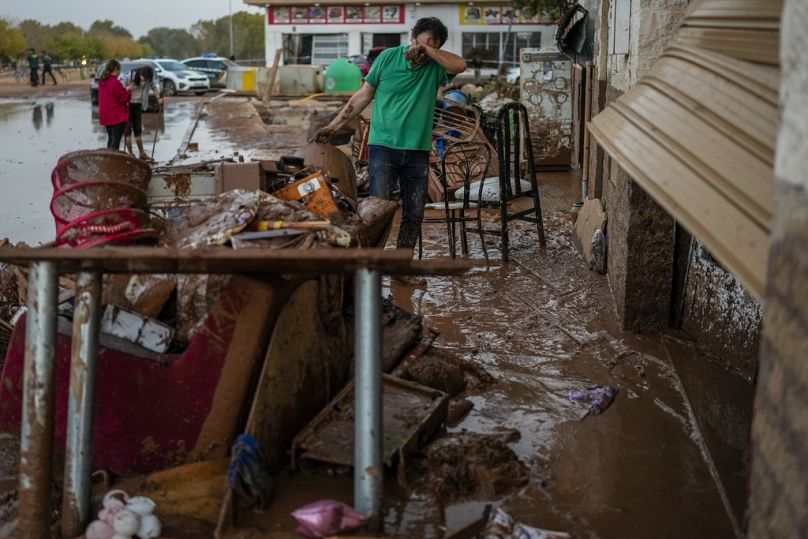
<point>35,34</point>
<point>12,42</point>
<point>248,35</point>
<point>171,42</point>
<point>108,27</point>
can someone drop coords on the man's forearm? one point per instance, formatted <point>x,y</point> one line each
<point>453,63</point>
<point>355,105</point>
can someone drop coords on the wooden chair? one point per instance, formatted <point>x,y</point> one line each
<point>462,164</point>
<point>513,144</point>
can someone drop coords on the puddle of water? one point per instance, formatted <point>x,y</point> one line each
<point>33,134</point>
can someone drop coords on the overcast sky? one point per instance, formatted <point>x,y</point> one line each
<point>136,16</point>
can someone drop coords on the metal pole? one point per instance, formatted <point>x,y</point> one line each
<point>368,471</point>
<point>81,401</point>
<point>230,4</point>
<point>39,387</point>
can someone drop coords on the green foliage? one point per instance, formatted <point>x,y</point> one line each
<point>108,27</point>
<point>12,42</point>
<point>66,42</point>
<point>171,42</point>
<point>248,35</point>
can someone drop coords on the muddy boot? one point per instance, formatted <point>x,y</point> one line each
<point>143,156</point>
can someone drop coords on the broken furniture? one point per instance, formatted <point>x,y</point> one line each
<point>462,164</point>
<point>455,122</point>
<point>99,197</point>
<point>513,138</point>
<point>39,381</point>
<point>411,414</point>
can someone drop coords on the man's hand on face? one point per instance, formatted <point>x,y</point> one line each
<point>416,55</point>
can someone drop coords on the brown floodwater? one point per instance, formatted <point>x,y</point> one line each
<point>34,133</point>
<point>543,325</point>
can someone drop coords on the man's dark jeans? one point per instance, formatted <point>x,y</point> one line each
<point>409,168</point>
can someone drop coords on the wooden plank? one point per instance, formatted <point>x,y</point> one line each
<point>223,260</point>
<point>273,73</point>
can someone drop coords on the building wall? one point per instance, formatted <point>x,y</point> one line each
<point>779,483</point>
<point>450,14</point>
<point>718,311</point>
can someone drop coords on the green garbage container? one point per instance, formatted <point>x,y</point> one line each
<point>342,77</point>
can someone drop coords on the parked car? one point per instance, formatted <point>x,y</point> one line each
<point>176,77</point>
<point>374,53</point>
<point>215,67</point>
<point>361,62</point>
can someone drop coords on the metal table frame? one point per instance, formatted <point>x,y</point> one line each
<point>45,264</point>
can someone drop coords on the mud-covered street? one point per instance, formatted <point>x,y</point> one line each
<point>534,330</point>
<point>41,124</point>
<point>538,328</point>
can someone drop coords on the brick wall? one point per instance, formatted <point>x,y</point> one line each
<point>779,484</point>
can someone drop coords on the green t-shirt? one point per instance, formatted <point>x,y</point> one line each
<point>405,100</point>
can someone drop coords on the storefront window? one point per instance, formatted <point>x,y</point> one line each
<point>482,49</point>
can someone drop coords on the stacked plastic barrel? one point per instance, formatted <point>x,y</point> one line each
<point>99,197</point>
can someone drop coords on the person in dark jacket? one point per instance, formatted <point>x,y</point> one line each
<point>113,103</point>
<point>33,65</point>
<point>46,67</point>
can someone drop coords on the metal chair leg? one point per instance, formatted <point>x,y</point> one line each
<point>450,232</point>
<point>464,241</point>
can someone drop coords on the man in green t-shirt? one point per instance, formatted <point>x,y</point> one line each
<point>405,82</point>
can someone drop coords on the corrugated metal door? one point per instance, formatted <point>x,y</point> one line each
<point>328,47</point>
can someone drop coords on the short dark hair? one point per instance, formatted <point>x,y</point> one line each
<point>434,26</point>
<point>147,72</point>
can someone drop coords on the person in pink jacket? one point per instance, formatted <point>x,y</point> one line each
<point>113,103</point>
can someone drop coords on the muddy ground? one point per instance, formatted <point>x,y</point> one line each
<point>541,325</point>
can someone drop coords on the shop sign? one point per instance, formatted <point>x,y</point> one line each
<point>347,14</point>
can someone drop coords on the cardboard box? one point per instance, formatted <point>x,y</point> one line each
<point>248,176</point>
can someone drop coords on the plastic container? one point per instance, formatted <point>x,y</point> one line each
<point>342,76</point>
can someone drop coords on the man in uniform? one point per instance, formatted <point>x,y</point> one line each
<point>405,81</point>
<point>46,67</point>
<point>33,65</point>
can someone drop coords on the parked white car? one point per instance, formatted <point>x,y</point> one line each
<point>176,77</point>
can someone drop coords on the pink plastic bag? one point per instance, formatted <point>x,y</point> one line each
<point>325,517</point>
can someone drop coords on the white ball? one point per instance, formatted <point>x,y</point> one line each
<point>126,523</point>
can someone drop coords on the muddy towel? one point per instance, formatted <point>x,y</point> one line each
<point>596,398</point>
<point>247,474</point>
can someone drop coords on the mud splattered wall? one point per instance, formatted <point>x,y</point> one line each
<point>719,312</point>
<point>779,497</point>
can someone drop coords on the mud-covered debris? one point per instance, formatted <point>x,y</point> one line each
<point>442,370</point>
<point>213,221</point>
<point>458,408</point>
<point>596,398</point>
<point>470,464</point>
<point>502,526</point>
<point>433,371</point>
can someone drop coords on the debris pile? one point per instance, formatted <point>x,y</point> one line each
<point>457,466</point>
